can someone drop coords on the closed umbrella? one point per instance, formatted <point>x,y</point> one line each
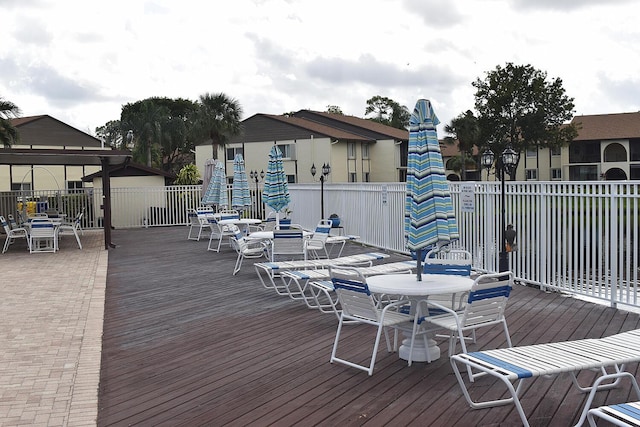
<point>276,191</point>
<point>240,197</point>
<point>209,164</point>
<point>216,193</point>
<point>429,217</point>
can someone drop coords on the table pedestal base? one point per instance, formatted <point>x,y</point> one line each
<point>419,350</point>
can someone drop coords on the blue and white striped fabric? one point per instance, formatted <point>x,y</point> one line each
<point>217,191</point>
<point>429,217</point>
<point>240,197</point>
<point>276,191</point>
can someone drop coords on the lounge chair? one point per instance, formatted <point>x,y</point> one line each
<point>514,365</point>
<point>622,414</point>
<point>316,290</point>
<point>267,271</point>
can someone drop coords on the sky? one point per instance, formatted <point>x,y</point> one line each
<point>80,61</point>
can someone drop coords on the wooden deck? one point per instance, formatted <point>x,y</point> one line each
<point>186,344</point>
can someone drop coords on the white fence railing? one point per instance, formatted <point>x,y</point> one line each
<point>580,237</point>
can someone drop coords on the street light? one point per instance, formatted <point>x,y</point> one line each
<point>504,164</point>
<point>257,177</point>
<point>326,170</point>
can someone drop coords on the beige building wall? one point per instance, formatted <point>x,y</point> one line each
<point>122,207</point>
<point>384,158</point>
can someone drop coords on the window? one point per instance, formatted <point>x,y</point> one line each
<point>74,186</point>
<point>365,177</point>
<point>17,186</point>
<point>231,153</point>
<point>286,150</point>
<point>531,174</point>
<point>556,174</point>
<point>556,151</point>
<point>291,179</point>
<point>615,153</point>
<point>584,152</point>
<point>353,177</point>
<point>365,151</point>
<point>532,152</point>
<point>351,151</point>
<point>583,173</point>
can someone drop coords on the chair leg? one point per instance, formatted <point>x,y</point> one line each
<point>75,232</point>
<point>238,264</point>
<point>6,244</point>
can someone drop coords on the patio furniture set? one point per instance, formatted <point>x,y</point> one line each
<point>449,300</point>
<point>42,231</point>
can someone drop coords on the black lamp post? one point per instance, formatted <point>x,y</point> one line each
<point>326,170</point>
<point>257,177</point>
<point>504,164</point>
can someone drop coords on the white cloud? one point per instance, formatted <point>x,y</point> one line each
<point>276,56</point>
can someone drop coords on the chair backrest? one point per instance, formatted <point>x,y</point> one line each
<point>42,228</point>
<point>192,214</point>
<point>321,233</point>
<point>12,222</point>
<point>488,298</point>
<point>453,262</point>
<point>288,242</point>
<point>5,224</point>
<point>239,242</point>
<point>229,216</point>
<point>353,293</point>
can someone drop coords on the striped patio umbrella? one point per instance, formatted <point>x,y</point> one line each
<point>429,217</point>
<point>217,190</point>
<point>240,197</point>
<point>276,191</point>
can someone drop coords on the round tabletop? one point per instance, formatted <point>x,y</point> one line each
<point>408,285</point>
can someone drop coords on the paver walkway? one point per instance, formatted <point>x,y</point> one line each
<point>51,314</point>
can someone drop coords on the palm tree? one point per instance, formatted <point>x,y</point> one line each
<point>8,134</point>
<point>218,118</point>
<point>466,131</point>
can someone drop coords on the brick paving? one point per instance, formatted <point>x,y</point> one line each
<point>51,308</point>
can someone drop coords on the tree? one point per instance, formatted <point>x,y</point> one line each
<point>218,118</point>
<point>161,130</point>
<point>188,175</point>
<point>8,133</point>
<point>388,112</point>
<point>466,131</point>
<point>518,107</point>
<point>111,134</point>
<point>334,109</point>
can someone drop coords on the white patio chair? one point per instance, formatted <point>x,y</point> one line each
<point>317,241</point>
<point>219,232</point>
<point>43,236</point>
<point>485,307</point>
<point>245,248</point>
<point>359,307</point>
<point>288,244</point>
<point>73,227</point>
<point>197,223</point>
<point>13,233</point>
<point>452,262</point>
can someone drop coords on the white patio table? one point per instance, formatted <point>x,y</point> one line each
<point>407,285</point>
<point>242,223</point>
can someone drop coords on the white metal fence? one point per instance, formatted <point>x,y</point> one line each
<point>581,237</point>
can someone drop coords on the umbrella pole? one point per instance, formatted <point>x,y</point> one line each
<point>419,264</point>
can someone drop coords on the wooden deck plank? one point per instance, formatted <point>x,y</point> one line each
<point>186,343</point>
